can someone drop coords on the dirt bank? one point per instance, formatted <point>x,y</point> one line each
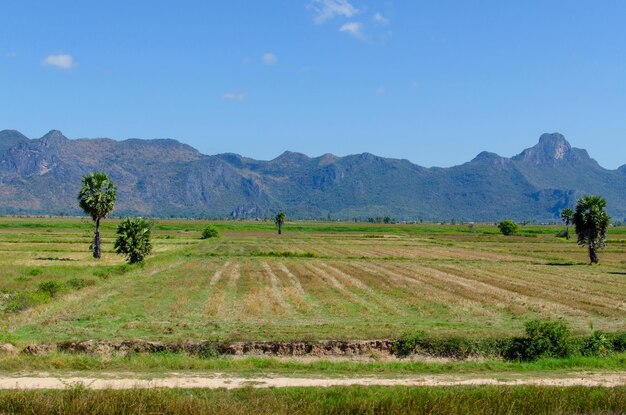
<point>321,348</point>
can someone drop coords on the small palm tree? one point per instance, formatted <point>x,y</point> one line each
<point>97,197</point>
<point>592,222</point>
<point>567,215</point>
<point>133,239</point>
<point>280,220</point>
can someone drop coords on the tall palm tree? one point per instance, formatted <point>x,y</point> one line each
<point>567,215</point>
<point>592,222</point>
<point>279,220</point>
<point>97,197</point>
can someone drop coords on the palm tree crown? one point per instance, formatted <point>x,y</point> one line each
<point>97,198</point>
<point>592,222</point>
<point>97,195</point>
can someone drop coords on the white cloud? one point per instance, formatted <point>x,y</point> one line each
<point>60,61</point>
<point>269,58</point>
<point>354,29</point>
<point>327,9</point>
<point>235,96</point>
<point>380,19</point>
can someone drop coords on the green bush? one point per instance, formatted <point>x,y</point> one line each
<point>562,234</point>
<point>406,345</point>
<point>52,288</point>
<point>548,339</point>
<point>25,300</point>
<point>33,272</point>
<point>618,342</point>
<point>508,227</point>
<point>598,344</point>
<point>210,231</point>
<point>79,283</point>
<point>133,239</point>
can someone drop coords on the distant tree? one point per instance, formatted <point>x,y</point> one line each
<point>280,220</point>
<point>567,215</point>
<point>591,222</point>
<point>133,239</point>
<point>97,197</point>
<point>210,231</point>
<point>507,227</point>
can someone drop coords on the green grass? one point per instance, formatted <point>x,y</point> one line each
<point>164,362</point>
<point>335,400</point>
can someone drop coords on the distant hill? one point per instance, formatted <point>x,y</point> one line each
<point>167,178</point>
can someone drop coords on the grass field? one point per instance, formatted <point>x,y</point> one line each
<point>336,400</point>
<point>316,281</point>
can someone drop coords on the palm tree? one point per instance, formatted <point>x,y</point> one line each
<point>97,198</point>
<point>279,220</point>
<point>133,239</point>
<point>566,216</point>
<point>592,222</point>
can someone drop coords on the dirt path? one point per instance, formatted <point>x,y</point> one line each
<point>218,381</point>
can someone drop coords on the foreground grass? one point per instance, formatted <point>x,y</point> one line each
<point>156,363</point>
<point>337,400</point>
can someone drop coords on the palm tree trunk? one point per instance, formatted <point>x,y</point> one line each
<point>96,241</point>
<point>567,231</point>
<point>593,256</point>
<point>280,228</point>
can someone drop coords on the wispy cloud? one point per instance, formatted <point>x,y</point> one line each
<point>354,29</point>
<point>380,19</point>
<point>10,54</point>
<point>235,96</point>
<point>327,9</point>
<point>381,90</point>
<point>62,61</point>
<point>270,58</point>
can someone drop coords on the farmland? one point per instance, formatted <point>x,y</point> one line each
<point>317,281</point>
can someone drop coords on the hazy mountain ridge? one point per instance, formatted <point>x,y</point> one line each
<point>164,177</point>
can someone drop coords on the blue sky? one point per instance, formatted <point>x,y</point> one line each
<point>434,82</point>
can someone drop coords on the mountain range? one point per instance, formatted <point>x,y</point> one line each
<point>164,177</point>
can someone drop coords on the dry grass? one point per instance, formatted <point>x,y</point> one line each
<point>358,286</point>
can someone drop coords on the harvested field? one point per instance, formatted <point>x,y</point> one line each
<point>315,282</point>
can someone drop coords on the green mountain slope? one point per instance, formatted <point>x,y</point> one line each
<point>165,177</point>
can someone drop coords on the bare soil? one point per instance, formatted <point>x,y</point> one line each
<point>215,381</point>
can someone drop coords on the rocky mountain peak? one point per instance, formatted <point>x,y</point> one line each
<point>11,138</point>
<point>551,148</point>
<point>554,145</point>
<point>291,157</point>
<point>53,137</point>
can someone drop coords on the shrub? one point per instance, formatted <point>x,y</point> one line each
<point>133,239</point>
<point>548,339</point>
<point>50,287</point>
<point>598,344</point>
<point>618,342</point>
<point>508,227</point>
<point>406,345</point>
<point>33,272</point>
<point>210,231</point>
<point>562,234</point>
<point>24,300</point>
<point>79,283</point>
